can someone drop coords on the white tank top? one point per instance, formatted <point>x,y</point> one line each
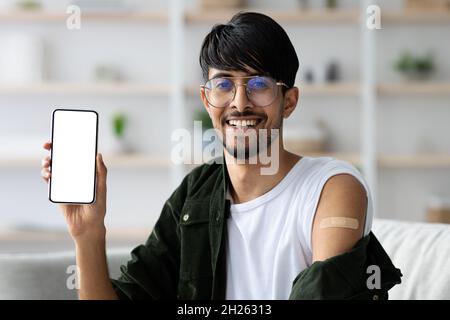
<point>269,238</point>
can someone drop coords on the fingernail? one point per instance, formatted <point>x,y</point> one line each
<point>100,157</point>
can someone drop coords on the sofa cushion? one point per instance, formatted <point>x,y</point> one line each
<point>46,275</point>
<point>422,252</point>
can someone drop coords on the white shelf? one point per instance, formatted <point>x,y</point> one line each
<point>144,161</point>
<point>330,89</point>
<point>130,161</point>
<point>416,16</point>
<point>292,16</point>
<point>199,16</point>
<point>48,16</point>
<point>415,88</point>
<point>85,88</point>
<point>149,161</point>
<point>414,161</point>
<point>402,161</point>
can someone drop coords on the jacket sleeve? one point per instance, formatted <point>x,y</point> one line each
<point>153,271</point>
<point>346,276</point>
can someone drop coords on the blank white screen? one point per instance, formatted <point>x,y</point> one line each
<point>73,156</point>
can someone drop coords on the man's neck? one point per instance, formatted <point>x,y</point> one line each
<point>246,180</point>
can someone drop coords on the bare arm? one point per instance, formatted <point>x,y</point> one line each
<point>342,196</point>
<point>86,226</point>
<point>93,277</point>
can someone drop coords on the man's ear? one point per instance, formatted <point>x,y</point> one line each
<point>205,102</point>
<point>290,101</point>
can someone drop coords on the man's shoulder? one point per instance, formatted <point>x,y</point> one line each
<point>320,168</point>
<point>206,168</point>
<point>198,185</point>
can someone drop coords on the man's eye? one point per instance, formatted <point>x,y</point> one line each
<point>258,84</point>
<point>224,85</point>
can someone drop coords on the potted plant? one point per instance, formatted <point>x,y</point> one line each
<point>331,4</point>
<point>415,67</point>
<point>28,5</point>
<point>119,124</point>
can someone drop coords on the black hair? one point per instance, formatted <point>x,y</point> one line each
<point>252,40</point>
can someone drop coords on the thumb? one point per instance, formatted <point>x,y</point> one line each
<point>101,177</point>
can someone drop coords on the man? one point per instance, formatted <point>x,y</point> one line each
<point>229,230</point>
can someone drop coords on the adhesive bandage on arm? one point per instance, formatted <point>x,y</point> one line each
<point>339,222</point>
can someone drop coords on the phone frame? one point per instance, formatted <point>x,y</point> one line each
<point>95,158</point>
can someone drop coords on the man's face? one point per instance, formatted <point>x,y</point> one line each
<point>241,115</point>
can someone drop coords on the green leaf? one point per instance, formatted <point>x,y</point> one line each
<point>119,124</point>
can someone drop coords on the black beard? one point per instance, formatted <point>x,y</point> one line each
<point>233,151</point>
<point>249,152</point>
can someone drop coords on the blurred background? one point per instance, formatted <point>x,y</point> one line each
<point>376,98</point>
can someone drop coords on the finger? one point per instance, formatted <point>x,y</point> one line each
<point>47,145</point>
<point>102,172</point>
<point>45,162</point>
<point>45,174</point>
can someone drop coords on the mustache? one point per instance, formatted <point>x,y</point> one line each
<point>246,113</point>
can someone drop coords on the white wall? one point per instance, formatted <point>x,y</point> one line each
<point>405,124</point>
<point>141,50</point>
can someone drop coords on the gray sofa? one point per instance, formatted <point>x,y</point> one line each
<point>420,250</point>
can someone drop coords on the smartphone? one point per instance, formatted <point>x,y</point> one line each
<point>73,156</point>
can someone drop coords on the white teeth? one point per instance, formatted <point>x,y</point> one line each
<point>242,123</point>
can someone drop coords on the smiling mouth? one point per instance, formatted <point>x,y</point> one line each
<point>243,123</point>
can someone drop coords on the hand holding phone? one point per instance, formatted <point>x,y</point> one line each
<point>85,223</point>
<point>83,219</point>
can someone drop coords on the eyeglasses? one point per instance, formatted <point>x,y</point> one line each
<point>261,91</point>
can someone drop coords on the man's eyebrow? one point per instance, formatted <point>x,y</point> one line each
<point>227,74</point>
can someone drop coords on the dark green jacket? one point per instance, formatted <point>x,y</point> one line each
<point>184,257</point>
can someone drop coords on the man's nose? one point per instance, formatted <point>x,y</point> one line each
<point>240,101</point>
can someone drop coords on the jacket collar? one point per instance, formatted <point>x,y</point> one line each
<point>219,212</point>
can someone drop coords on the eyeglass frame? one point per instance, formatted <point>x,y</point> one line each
<point>277,83</point>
